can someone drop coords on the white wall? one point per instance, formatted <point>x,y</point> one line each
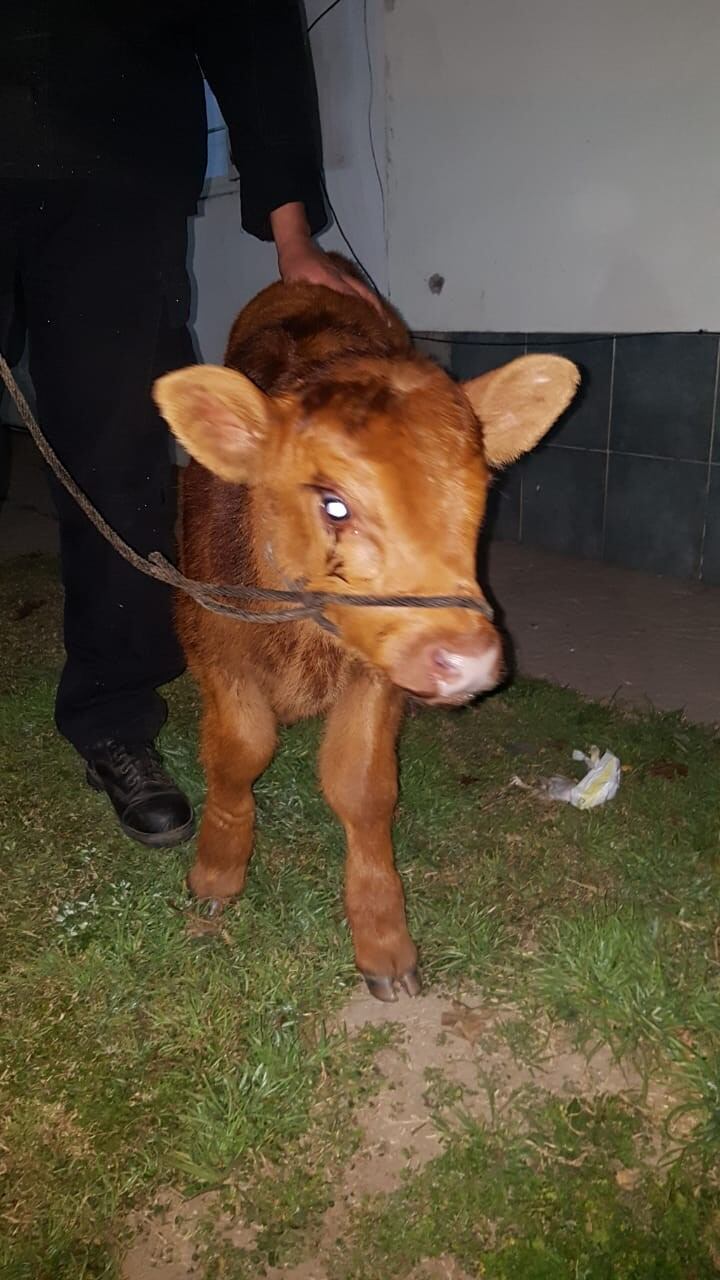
<point>556,161</point>
<point>230,266</point>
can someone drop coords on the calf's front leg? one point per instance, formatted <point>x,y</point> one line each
<point>358,771</point>
<point>238,741</point>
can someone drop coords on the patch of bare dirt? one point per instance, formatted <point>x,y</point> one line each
<point>166,1246</point>
<point>463,1042</point>
<point>459,1043</point>
<point>443,1268</point>
<point>459,1048</point>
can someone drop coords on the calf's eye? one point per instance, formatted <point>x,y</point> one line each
<point>336,510</point>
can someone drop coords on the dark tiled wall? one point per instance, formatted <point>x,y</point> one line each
<point>631,473</point>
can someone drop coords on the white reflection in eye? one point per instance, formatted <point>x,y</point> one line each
<point>335,509</point>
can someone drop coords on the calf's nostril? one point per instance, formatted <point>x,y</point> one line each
<point>444,661</point>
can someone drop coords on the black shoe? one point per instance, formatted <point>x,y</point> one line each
<point>151,808</point>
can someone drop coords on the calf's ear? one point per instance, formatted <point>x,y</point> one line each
<point>519,402</point>
<point>218,415</point>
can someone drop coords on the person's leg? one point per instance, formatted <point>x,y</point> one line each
<point>103,279</point>
<point>11,341</point>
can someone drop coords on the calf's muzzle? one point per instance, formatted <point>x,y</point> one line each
<point>450,668</point>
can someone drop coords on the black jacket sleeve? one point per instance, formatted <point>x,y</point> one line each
<point>255,58</point>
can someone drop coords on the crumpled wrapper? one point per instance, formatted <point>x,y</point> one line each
<point>600,784</point>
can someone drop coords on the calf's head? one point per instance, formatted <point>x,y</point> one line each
<point>372,479</point>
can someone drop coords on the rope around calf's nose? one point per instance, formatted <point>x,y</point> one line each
<point>301,605</point>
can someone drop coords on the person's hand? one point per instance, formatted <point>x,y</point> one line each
<point>303,260</point>
<point>299,258</point>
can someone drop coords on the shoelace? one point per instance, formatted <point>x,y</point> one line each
<point>137,767</point>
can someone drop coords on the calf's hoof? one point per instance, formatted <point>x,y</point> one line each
<point>385,988</point>
<point>218,888</point>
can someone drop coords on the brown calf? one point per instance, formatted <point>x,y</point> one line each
<point>329,452</point>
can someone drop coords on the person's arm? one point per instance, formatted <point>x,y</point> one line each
<point>255,58</point>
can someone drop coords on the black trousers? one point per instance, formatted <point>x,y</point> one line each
<point>100,277</point>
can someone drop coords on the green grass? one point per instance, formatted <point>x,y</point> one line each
<point>138,1051</point>
<point>541,1205</point>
